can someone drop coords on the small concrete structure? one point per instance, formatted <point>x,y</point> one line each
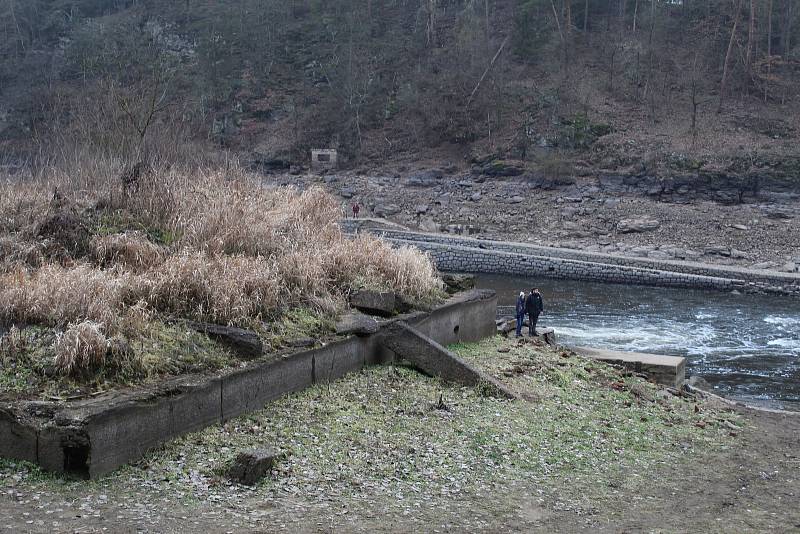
<point>324,160</point>
<point>666,370</point>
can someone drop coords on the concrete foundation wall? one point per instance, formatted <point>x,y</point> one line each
<point>92,438</point>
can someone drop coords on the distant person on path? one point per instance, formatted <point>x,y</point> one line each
<point>534,306</point>
<point>520,312</point>
<point>356,209</point>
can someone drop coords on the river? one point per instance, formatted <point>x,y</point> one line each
<point>746,346</point>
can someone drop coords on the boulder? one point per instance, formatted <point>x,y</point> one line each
<point>245,342</point>
<point>456,282</point>
<point>347,192</point>
<point>502,168</point>
<point>356,323</point>
<point>427,224</point>
<point>424,178</point>
<point>421,209</point>
<point>386,210</point>
<point>637,225</point>
<point>374,302</point>
<point>251,466</point>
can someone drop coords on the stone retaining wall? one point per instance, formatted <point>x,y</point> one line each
<point>473,260</point>
<point>93,437</point>
<point>487,256</point>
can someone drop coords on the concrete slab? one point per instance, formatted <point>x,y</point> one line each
<point>433,359</point>
<point>667,370</point>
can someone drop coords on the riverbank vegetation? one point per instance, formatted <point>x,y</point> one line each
<point>392,450</point>
<point>110,265</point>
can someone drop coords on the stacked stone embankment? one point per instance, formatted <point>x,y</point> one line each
<point>454,253</point>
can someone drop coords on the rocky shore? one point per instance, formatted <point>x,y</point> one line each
<point>735,221</point>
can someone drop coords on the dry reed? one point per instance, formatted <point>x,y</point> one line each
<point>81,349</point>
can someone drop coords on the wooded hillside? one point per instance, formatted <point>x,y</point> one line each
<point>560,83</point>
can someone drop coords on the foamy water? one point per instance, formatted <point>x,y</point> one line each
<point>747,346</point>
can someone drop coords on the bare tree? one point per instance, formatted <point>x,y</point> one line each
<point>726,65</point>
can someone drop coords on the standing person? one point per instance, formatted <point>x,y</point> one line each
<point>534,306</point>
<point>356,209</point>
<point>520,311</point>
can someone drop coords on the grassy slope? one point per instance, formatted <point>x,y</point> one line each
<point>375,449</point>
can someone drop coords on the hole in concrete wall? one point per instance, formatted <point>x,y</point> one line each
<point>76,461</point>
<point>323,157</point>
<point>456,329</point>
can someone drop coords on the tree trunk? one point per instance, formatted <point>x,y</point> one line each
<point>585,16</point>
<point>567,17</point>
<point>769,50</point>
<point>725,66</point>
<point>751,31</point>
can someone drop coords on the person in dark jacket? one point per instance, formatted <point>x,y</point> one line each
<point>520,311</point>
<point>534,306</point>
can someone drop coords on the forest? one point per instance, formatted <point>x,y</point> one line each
<point>148,80</point>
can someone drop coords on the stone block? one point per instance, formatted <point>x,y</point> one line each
<point>378,303</point>
<point>250,467</point>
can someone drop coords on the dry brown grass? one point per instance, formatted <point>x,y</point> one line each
<point>237,254</point>
<point>219,289</point>
<point>132,250</point>
<point>81,349</point>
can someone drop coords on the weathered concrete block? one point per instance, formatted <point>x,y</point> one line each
<point>374,302</point>
<point>667,370</point>
<point>339,358</point>
<point>17,441</point>
<point>250,389</point>
<point>356,323</point>
<point>250,467</point>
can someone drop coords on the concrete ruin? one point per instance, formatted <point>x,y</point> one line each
<point>92,437</point>
<point>323,160</point>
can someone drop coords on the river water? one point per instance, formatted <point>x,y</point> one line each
<point>746,346</point>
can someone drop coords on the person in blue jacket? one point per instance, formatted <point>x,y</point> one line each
<point>520,311</point>
<point>534,306</point>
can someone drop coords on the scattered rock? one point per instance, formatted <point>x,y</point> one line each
<point>250,467</point>
<point>638,225</point>
<point>421,209</point>
<point>427,224</point>
<point>475,197</point>
<point>424,178</point>
<point>516,199</point>
<point>242,341</point>
<point>456,282</point>
<point>740,227</point>
<point>356,323</point>
<point>386,210</point>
